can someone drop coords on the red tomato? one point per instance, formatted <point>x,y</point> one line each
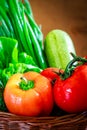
<point>71,94</point>
<point>51,73</point>
<point>85,57</point>
<point>37,100</point>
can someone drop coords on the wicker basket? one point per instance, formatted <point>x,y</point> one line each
<point>10,121</point>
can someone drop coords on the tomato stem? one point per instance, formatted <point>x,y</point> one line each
<point>76,61</point>
<point>26,84</point>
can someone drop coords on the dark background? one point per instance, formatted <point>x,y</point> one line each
<point>70,16</point>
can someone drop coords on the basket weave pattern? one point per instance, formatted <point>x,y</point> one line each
<point>10,121</point>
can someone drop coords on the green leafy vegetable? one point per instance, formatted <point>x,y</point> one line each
<point>8,51</point>
<point>24,58</point>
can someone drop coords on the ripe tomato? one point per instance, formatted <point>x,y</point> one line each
<point>71,94</point>
<point>51,73</point>
<point>29,94</point>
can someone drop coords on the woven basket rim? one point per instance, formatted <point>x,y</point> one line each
<point>53,120</point>
<point>9,121</point>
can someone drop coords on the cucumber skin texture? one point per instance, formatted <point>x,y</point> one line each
<point>57,47</point>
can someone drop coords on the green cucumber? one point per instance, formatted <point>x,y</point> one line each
<point>57,47</point>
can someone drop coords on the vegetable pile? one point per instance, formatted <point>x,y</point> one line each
<point>16,21</point>
<point>13,62</point>
<point>38,74</point>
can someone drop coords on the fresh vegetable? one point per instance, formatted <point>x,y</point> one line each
<point>2,32</point>
<point>29,94</point>
<point>8,54</point>
<point>11,62</point>
<point>3,14</point>
<point>51,73</point>
<point>70,90</point>
<point>57,46</point>
<point>28,7</point>
<point>36,29</point>
<point>17,21</point>
<point>24,58</point>
<point>8,51</point>
<point>4,4</point>
<point>17,68</point>
<point>4,26</point>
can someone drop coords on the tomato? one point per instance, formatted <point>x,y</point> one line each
<point>85,57</point>
<point>29,94</point>
<point>71,94</point>
<point>51,73</point>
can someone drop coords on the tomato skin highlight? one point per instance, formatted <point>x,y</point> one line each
<point>33,102</point>
<point>71,94</point>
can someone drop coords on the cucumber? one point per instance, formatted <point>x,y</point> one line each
<point>57,47</point>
